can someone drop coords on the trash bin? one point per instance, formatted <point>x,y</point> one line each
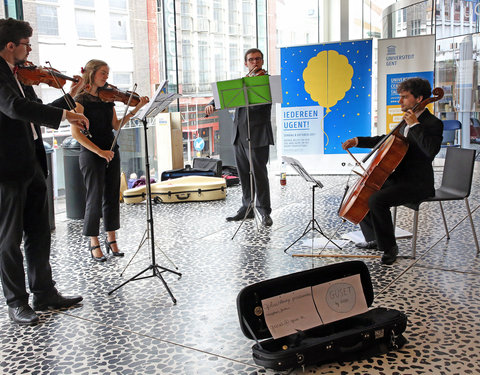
<point>74,187</point>
<point>51,207</point>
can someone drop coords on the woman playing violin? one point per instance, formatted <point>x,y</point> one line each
<point>413,179</point>
<point>100,166</point>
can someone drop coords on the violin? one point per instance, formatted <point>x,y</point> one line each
<point>30,74</point>
<point>256,71</point>
<point>110,93</point>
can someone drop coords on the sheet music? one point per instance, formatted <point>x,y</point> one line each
<point>288,313</point>
<point>159,102</point>
<point>295,164</point>
<point>312,306</point>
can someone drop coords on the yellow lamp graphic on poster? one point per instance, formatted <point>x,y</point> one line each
<point>327,77</point>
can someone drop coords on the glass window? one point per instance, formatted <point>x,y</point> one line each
<point>202,8</point>
<point>187,23</point>
<point>119,4</point>
<point>122,80</point>
<point>220,73</point>
<point>85,3</point>
<point>297,22</point>
<point>233,17</point>
<point>185,7</point>
<point>456,71</point>
<point>188,82</point>
<point>47,22</point>
<point>248,21</point>
<point>218,16</point>
<point>235,61</point>
<point>204,66</point>
<point>85,21</point>
<point>118,26</point>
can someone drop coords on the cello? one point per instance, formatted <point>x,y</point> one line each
<point>391,150</point>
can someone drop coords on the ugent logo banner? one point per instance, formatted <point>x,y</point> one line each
<point>326,96</point>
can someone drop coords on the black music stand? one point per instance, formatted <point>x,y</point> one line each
<point>312,225</point>
<point>160,102</point>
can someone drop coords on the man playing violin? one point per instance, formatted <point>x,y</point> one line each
<point>23,191</point>
<point>261,137</point>
<point>413,179</point>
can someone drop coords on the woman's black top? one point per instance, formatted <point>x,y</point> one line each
<point>99,114</point>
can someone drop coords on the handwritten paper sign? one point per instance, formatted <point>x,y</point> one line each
<point>312,306</point>
<point>340,299</point>
<point>289,312</point>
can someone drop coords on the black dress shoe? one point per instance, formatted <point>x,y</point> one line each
<point>366,245</point>
<point>240,215</point>
<point>108,246</point>
<point>55,301</point>
<point>390,256</point>
<point>23,315</point>
<point>267,220</point>
<point>97,259</point>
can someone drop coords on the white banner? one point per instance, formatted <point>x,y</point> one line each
<point>399,59</point>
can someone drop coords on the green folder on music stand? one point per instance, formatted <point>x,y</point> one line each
<point>245,92</point>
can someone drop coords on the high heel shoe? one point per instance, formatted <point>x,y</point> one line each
<point>109,247</point>
<point>97,259</point>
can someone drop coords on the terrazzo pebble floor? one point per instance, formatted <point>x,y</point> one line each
<point>139,330</point>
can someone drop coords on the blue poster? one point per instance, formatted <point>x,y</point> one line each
<point>327,99</point>
<point>394,113</point>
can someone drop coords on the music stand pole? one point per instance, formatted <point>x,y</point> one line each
<point>154,267</point>
<point>251,205</point>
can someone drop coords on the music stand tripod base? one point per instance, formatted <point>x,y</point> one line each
<point>313,225</point>
<point>154,267</point>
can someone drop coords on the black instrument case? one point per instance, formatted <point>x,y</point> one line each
<point>377,331</point>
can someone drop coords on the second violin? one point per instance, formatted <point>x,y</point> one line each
<point>30,74</point>
<point>110,93</point>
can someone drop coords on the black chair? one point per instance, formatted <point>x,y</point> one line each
<point>456,185</point>
<point>450,128</point>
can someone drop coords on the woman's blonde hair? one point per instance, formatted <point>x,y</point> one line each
<point>88,72</point>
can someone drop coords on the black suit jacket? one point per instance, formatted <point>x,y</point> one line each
<point>261,133</point>
<point>424,140</point>
<point>18,149</point>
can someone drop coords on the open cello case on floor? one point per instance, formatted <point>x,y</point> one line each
<point>317,316</point>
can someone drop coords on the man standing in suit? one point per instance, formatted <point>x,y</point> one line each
<point>413,179</point>
<point>23,192</point>
<point>261,137</point>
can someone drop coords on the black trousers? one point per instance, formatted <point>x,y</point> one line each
<point>103,192</point>
<point>24,211</point>
<point>378,224</point>
<point>261,187</point>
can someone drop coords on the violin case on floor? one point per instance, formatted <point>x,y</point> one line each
<point>201,167</point>
<point>183,189</point>
<point>374,332</point>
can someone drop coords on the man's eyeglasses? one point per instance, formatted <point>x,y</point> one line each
<point>25,44</point>
<point>252,59</point>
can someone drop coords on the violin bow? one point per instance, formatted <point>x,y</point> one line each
<point>123,118</point>
<point>71,105</point>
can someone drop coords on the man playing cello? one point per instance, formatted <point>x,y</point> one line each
<point>413,179</point>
